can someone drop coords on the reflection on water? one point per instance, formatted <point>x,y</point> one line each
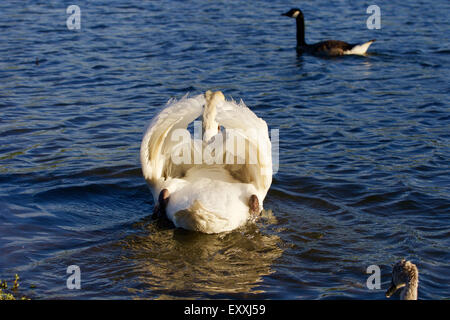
<point>179,263</point>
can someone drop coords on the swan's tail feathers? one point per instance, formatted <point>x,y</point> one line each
<point>360,48</point>
<point>198,218</point>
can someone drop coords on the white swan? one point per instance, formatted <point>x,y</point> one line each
<point>200,184</point>
<point>404,275</point>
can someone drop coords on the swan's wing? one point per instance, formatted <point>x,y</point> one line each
<point>156,146</point>
<point>255,131</point>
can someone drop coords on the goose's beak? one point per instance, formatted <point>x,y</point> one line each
<point>284,14</point>
<point>391,290</point>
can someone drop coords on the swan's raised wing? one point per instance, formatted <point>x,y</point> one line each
<point>240,120</point>
<point>157,146</point>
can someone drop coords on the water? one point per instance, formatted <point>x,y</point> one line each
<point>364,148</point>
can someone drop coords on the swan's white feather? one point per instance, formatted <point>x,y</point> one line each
<point>155,147</point>
<point>231,115</point>
<point>206,198</point>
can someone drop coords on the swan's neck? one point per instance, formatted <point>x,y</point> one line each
<point>409,292</point>
<point>300,31</point>
<point>210,125</point>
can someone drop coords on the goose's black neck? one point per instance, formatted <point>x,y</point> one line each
<point>300,31</point>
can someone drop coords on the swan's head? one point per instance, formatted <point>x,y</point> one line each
<point>210,126</point>
<point>213,98</point>
<point>404,273</point>
<point>293,13</point>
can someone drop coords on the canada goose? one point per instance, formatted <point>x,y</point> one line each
<point>324,48</point>
<point>404,275</point>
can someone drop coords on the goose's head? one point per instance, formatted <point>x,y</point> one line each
<point>404,275</point>
<point>210,126</point>
<point>293,13</point>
